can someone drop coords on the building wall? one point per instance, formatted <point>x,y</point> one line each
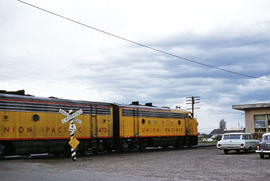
<point>249,118</point>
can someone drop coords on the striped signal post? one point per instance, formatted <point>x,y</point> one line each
<point>70,116</point>
<point>72,129</point>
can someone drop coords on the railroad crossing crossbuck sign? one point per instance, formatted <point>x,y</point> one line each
<point>70,116</point>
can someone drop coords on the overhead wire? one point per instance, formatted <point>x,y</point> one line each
<point>142,45</point>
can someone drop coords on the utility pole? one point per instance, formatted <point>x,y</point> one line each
<point>193,100</point>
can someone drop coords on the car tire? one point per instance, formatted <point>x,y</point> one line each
<point>248,150</point>
<point>261,155</point>
<point>226,151</point>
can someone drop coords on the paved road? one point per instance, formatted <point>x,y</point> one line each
<point>185,164</point>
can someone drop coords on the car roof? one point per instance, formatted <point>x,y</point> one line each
<point>234,133</point>
<point>266,134</point>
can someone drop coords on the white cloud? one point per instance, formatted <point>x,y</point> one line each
<point>255,85</point>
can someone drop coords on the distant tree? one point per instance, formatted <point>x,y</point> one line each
<point>222,124</point>
<point>218,137</point>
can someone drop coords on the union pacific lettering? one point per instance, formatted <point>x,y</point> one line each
<point>167,130</point>
<point>150,130</point>
<point>17,129</point>
<point>48,130</point>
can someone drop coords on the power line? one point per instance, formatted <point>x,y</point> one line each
<point>143,45</point>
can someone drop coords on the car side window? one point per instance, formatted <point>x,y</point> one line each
<point>266,137</point>
<point>247,137</point>
<point>235,137</point>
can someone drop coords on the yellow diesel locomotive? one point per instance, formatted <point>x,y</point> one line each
<point>31,125</point>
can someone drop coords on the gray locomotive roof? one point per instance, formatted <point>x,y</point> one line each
<point>68,101</point>
<point>51,99</point>
<point>147,107</point>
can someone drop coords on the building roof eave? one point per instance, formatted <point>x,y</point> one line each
<point>251,106</point>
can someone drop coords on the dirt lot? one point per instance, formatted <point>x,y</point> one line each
<point>184,164</point>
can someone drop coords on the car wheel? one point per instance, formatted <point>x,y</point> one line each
<point>226,151</point>
<point>261,155</point>
<point>248,150</point>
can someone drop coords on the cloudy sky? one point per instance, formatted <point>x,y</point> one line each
<point>50,56</point>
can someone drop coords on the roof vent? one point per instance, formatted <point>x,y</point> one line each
<point>135,103</point>
<point>18,92</point>
<point>149,104</point>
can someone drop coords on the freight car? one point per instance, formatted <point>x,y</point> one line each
<point>31,125</point>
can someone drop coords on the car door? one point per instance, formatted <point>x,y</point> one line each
<point>253,143</point>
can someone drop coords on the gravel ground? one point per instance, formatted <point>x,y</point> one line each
<point>206,163</point>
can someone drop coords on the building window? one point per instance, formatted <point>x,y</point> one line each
<point>259,123</point>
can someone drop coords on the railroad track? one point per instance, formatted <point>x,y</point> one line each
<point>148,149</point>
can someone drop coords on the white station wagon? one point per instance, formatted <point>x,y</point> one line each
<point>237,142</point>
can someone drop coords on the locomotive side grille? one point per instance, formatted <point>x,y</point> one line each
<point>9,105</point>
<point>152,114</point>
